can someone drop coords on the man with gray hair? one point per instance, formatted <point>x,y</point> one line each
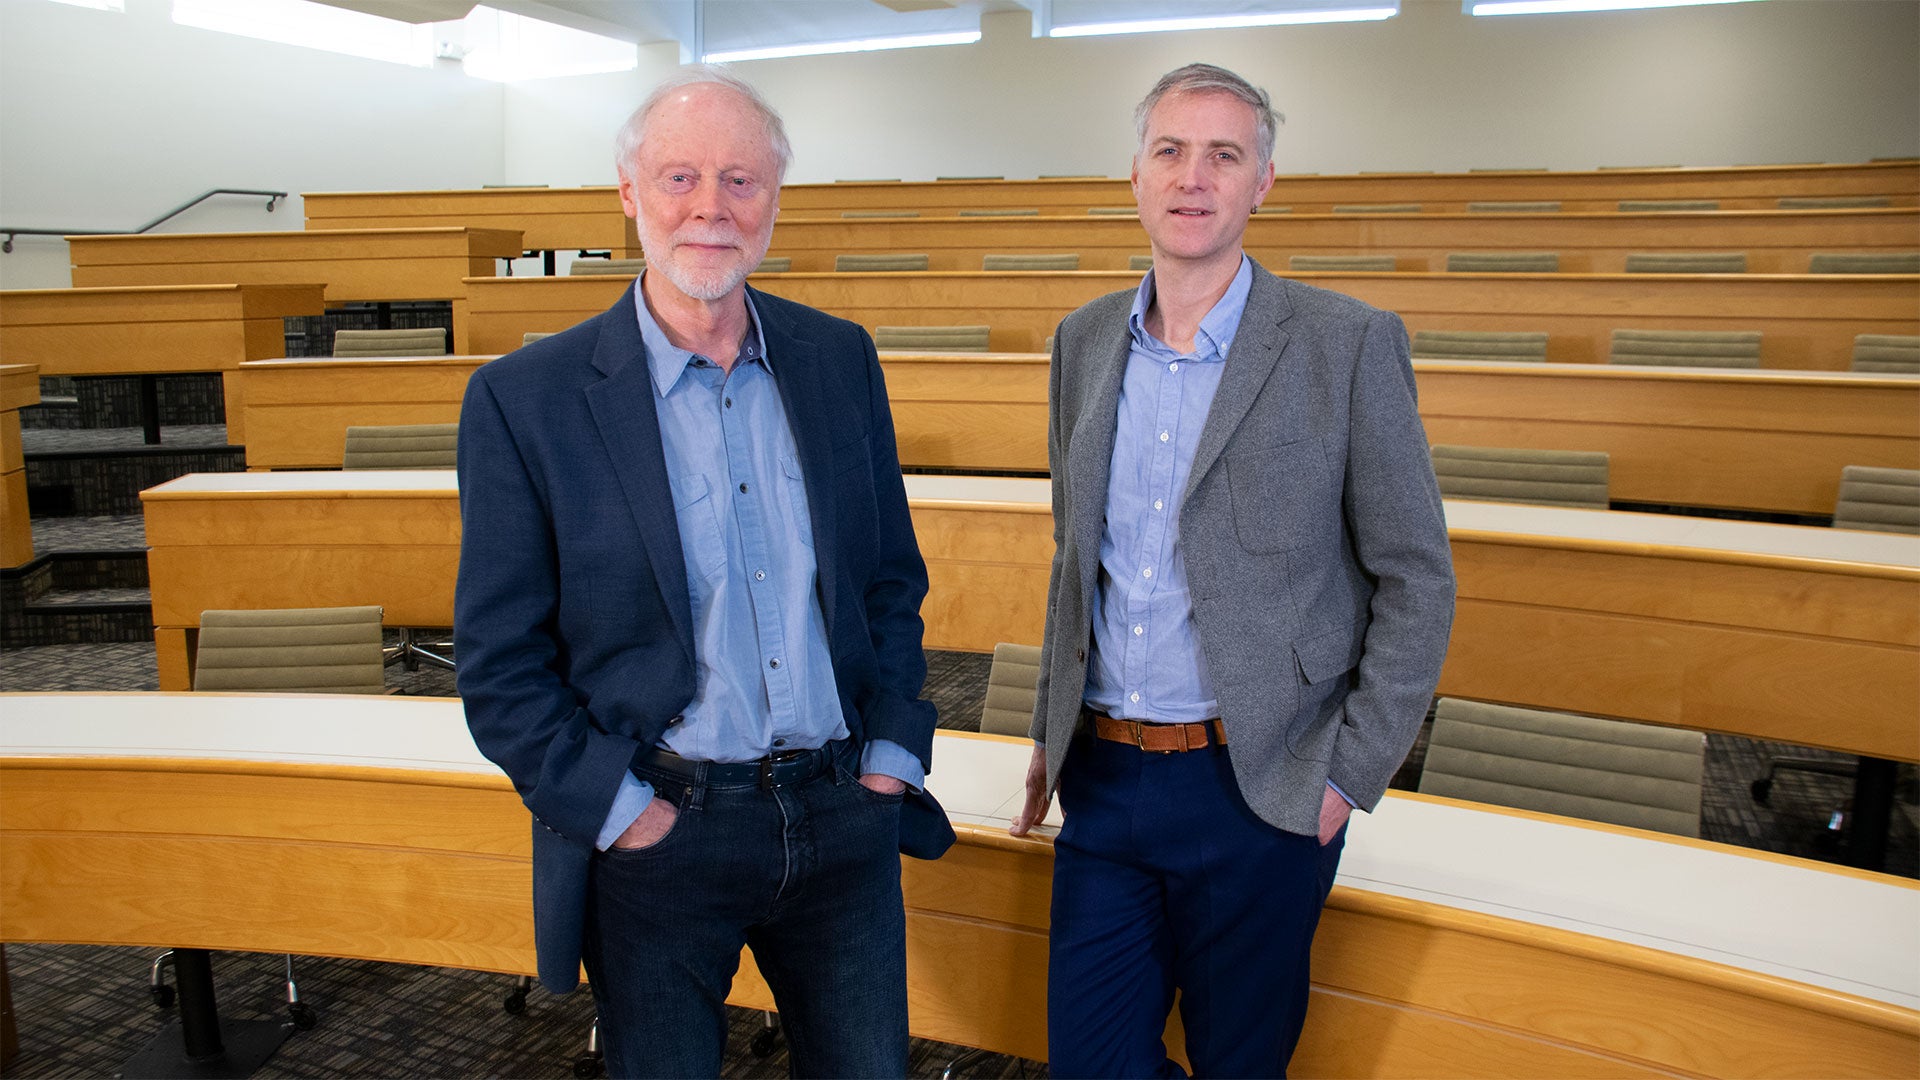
<point>1250,600</point>
<point>687,623</point>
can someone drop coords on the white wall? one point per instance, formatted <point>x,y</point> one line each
<point>1787,80</point>
<point>108,120</point>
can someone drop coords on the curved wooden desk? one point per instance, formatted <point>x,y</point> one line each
<point>1459,940</point>
<point>1741,187</point>
<point>1775,241</point>
<point>547,219</point>
<point>1809,320</point>
<point>1781,632</point>
<point>19,388</point>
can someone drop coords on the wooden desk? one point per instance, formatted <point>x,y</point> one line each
<point>1776,241</point>
<point>1780,632</point>
<point>294,413</point>
<point>548,219</point>
<point>19,388</point>
<point>1809,320</point>
<point>1458,940</point>
<point>353,264</point>
<point>1746,187</point>
<point>150,329</point>
<point>1759,440</point>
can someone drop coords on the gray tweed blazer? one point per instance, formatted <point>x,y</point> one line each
<point>1315,549</point>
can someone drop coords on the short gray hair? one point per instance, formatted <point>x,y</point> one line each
<point>1208,79</point>
<point>626,144</point>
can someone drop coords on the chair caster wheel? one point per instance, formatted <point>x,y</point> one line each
<point>763,1044</point>
<point>586,1067</point>
<point>1762,789</point>
<point>514,1003</point>
<point>303,1016</point>
<point>162,995</point>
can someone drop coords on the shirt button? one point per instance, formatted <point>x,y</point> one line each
<point>779,742</point>
<point>729,403</point>
<point>743,489</point>
<point>1175,366</point>
<point>1157,504</point>
<point>774,663</point>
<point>1134,697</point>
<point>1146,571</point>
<point>1138,630</point>
<point>1163,436</point>
<point>759,575</point>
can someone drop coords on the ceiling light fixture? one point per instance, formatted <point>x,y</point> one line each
<point>824,48</point>
<point>1226,22</point>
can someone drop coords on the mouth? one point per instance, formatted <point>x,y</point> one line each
<point>1189,211</point>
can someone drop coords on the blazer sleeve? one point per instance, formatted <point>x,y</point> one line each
<point>1057,469</point>
<point>506,599</point>
<point>896,585</point>
<point>1393,511</point>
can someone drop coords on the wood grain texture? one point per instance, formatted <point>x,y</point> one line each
<point>355,264</point>
<point>150,330</point>
<point>1808,321</point>
<point>1775,241</point>
<point>1751,187</point>
<point>425,867</point>
<point>19,388</point>
<point>583,218</point>
<point>298,413</point>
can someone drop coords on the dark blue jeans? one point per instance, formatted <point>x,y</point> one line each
<point>808,876</point>
<point>1164,879</point>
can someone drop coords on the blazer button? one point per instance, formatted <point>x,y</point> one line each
<point>1080,655</point>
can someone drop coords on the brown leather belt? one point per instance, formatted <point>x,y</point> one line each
<point>1161,738</point>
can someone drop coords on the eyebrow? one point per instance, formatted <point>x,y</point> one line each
<point>1174,140</point>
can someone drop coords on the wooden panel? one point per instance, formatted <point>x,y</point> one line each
<point>1754,187</point>
<point>126,331</point>
<point>298,413</point>
<point>429,867</point>
<point>19,388</point>
<point>549,219</point>
<point>1809,320</point>
<point>1775,241</point>
<point>360,264</point>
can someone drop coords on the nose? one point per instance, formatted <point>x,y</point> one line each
<point>708,203</point>
<point>1192,173</point>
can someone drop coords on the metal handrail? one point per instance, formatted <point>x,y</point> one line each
<point>273,200</point>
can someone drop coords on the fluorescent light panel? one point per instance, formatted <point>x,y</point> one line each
<point>97,5</point>
<point>1226,22</point>
<point>1557,7</point>
<point>824,48</point>
<point>312,26</point>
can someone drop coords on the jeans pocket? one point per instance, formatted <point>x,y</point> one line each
<point>671,839</point>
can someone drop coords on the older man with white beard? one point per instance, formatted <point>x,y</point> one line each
<point>688,625</point>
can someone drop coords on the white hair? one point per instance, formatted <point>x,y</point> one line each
<point>626,144</point>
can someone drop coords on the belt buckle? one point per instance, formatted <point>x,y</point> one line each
<point>766,774</point>
<point>1140,738</point>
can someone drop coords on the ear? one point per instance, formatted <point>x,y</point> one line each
<point>629,198</point>
<point>1266,185</point>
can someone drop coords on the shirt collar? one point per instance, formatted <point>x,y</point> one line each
<point>666,362</point>
<point>1215,336</point>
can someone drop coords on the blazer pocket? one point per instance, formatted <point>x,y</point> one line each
<point>1280,496</point>
<point>1331,654</point>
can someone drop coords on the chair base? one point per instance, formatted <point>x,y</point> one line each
<point>247,1045</point>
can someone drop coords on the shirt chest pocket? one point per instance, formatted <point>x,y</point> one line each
<point>794,491</point>
<point>697,512</point>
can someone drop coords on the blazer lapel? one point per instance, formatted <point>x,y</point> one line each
<point>1257,345</point>
<point>629,424</point>
<point>1090,457</point>
<point>796,371</point>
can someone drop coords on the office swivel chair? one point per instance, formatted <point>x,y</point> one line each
<point>288,651</point>
<point>406,446</point>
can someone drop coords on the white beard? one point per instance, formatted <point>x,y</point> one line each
<point>706,284</point>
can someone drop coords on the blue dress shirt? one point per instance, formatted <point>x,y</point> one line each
<point>1145,662</point>
<point>764,675</point>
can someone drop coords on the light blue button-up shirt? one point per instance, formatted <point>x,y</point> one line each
<point>764,679</point>
<point>1145,663</point>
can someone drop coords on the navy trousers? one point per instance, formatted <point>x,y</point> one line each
<point>1164,880</point>
<point>807,875</point>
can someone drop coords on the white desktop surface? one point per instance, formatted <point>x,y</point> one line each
<point>1844,930</point>
<point>1709,536</point>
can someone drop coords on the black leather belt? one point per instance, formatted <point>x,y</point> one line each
<point>775,770</point>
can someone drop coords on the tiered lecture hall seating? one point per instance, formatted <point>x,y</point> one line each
<point>1682,609</point>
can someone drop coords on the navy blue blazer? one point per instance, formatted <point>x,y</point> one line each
<point>571,618</point>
